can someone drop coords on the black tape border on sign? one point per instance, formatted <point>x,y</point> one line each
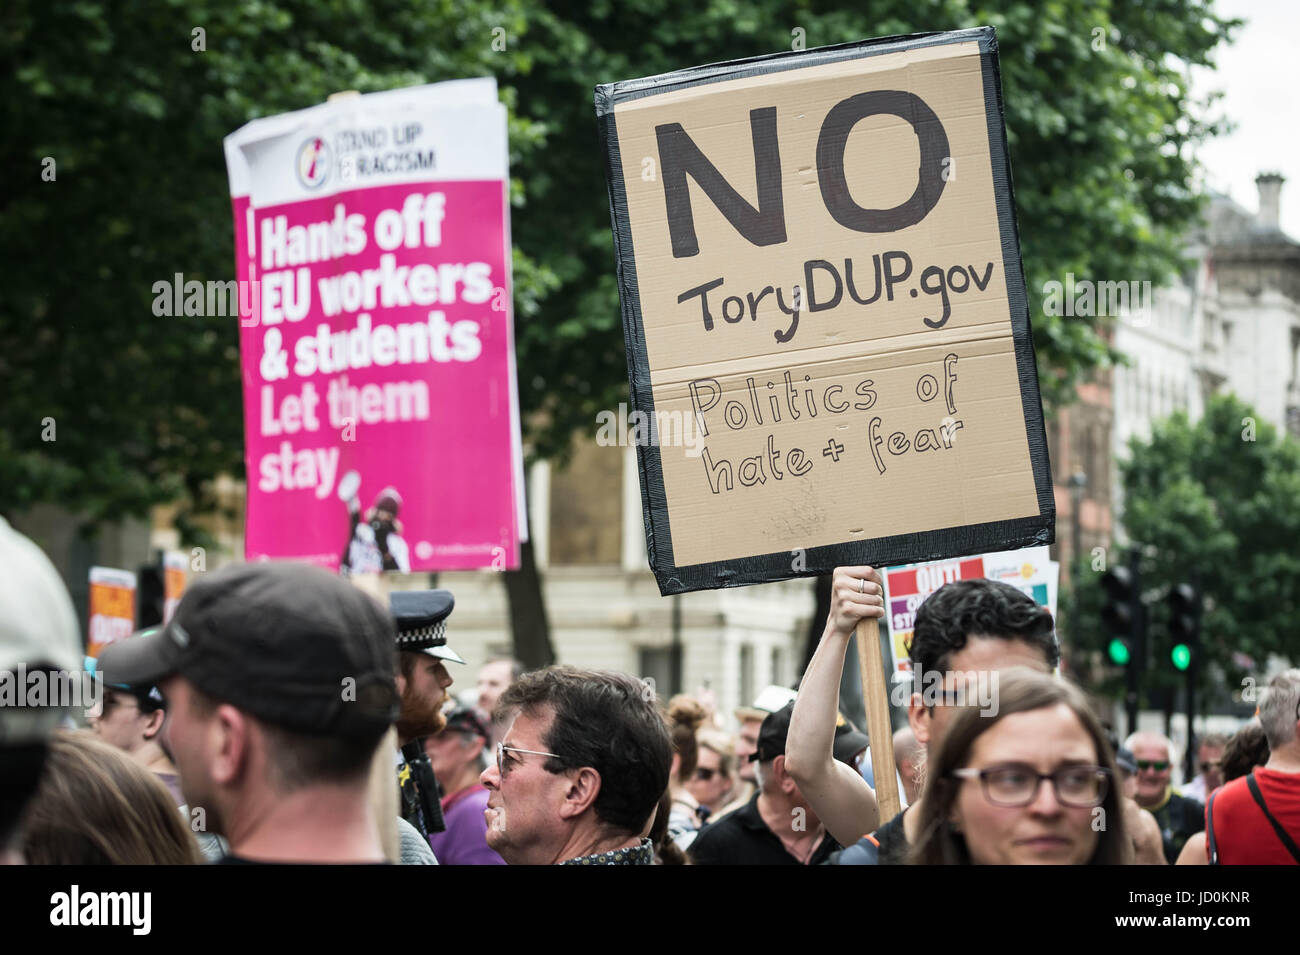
<point>884,551</point>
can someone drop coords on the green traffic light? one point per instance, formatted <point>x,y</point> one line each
<point>1118,651</point>
<point>1181,654</point>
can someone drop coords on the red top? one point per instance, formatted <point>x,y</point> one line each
<point>1242,832</point>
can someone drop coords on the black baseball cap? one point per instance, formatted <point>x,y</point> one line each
<point>849,740</point>
<point>468,719</point>
<point>772,734</point>
<point>290,644</point>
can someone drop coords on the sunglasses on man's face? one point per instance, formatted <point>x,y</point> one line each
<point>705,774</point>
<point>1158,765</point>
<point>503,764</point>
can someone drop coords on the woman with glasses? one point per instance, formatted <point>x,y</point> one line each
<point>1031,783</point>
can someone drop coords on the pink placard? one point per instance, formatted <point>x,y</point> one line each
<point>377,355</point>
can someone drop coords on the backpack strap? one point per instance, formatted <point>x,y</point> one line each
<point>1287,841</point>
<point>1211,845</point>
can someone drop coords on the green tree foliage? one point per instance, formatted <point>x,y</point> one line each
<point>132,112</point>
<point>1215,504</point>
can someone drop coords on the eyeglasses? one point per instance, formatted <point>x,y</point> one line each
<point>111,703</point>
<point>1159,765</point>
<point>1206,766</point>
<point>704,774</point>
<point>502,749</point>
<point>1014,785</point>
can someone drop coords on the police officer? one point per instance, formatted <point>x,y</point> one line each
<point>422,681</point>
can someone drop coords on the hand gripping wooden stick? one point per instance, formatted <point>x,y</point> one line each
<point>875,696</point>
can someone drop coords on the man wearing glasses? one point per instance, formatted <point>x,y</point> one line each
<point>1177,816</point>
<point>578,776</point>
<point>1209,777</point>
<point>965,631</point>
<point>131,718</point>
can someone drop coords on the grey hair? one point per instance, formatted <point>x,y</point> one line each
<point>1277,708</point>
<point>1151,735</point>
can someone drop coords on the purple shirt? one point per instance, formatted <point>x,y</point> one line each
<point>465,840</point>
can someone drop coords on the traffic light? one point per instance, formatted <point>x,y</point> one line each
<point>1184,624</point>
<point>1125,621</point>
<point>1119,651</point>
<point>150,593</point>
<point>1185,644</point>
<point>1120,615</point>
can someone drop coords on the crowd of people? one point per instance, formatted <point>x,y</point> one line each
<point>284,715</point>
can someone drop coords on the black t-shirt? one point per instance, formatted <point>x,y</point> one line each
<point>1179,818</point>
<point>886,846</point>
<point>743,838</point>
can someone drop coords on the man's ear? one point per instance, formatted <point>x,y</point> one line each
<point>783,779</point>
<point>229,738</point>
<point>918,717</point>
<point>152,728</point>
<point>583,788</point>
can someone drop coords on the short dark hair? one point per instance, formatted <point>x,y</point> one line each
<point>979,607</point>
<point>1246,749</point>
<point>607,721</point>
<point>299,760</point>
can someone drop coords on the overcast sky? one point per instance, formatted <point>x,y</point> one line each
<point>1258,77</point>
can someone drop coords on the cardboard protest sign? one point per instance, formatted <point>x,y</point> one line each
<point>381,415</point>
<point>824,311</point>
<point>906,588</point>
<point>112,607</point>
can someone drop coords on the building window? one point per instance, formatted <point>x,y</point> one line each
<point>1295,356</point>
<point>656,663</point>
<point>747,693</point>
<point>778,666</point>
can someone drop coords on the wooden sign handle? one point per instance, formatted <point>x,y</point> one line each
<point>875,696</point>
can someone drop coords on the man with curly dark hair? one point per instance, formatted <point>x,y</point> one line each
<point>581,769</point>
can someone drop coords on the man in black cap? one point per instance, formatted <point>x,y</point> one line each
<point>777,826</point>
<point>422,682</point>
<point>131,718</point>
<point>279,687</point>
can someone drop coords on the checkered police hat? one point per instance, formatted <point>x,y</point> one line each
<point>421,618</point>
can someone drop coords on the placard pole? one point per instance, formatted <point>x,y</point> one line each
<point>875,697</point>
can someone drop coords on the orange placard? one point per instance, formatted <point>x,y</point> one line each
<point>173,583</point>
<point>112,607</point>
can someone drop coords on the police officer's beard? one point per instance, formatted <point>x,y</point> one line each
<point>419,716</point>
